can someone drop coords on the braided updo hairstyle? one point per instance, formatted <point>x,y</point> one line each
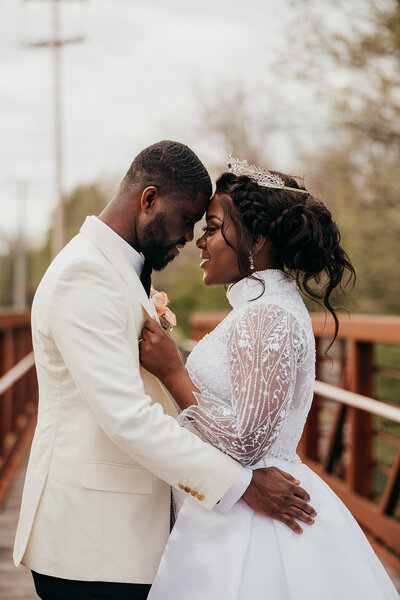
<point>305,240</point>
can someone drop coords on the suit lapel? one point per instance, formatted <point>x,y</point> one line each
<point>109,247</point>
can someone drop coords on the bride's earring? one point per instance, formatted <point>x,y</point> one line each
<point>251,261</point>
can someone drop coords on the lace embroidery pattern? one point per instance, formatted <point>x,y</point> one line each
<point>255,374</point>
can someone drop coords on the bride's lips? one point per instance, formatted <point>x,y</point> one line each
<point>203,261</point>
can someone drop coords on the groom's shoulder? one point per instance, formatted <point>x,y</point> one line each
<point>79,280</point>
<point>78,260</point>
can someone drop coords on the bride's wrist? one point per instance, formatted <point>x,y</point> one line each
<point>173,375</point>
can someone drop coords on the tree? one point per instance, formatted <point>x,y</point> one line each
<point>351,54</point>
<point>230,120</point>
<point>83,200</point>
<point>351,57</point>
<point>365,206</point>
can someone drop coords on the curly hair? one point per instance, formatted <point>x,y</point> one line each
<point>305,240</point>
<point>171,167</point>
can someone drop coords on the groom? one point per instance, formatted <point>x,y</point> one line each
<point>95,509</point>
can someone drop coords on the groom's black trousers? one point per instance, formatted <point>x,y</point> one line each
<point>53,588</point>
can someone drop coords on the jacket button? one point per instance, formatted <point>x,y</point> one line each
<point>194,492</point>
<point>181,486</point>
<point>200,497</point>
<point>187,489</point>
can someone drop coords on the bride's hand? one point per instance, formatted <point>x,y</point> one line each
<point>158,352</point>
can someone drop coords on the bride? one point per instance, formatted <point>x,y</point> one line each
<point>247,388</point>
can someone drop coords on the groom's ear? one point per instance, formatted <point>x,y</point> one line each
<point>148,198</point>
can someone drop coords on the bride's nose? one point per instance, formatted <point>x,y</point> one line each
<point>201,242</point>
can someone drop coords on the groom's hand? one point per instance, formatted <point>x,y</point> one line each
<point>276,494</point>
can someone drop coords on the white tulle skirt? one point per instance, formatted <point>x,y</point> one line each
<point>244,556</point>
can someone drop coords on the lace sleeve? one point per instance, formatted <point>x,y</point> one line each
<point>264,347</point>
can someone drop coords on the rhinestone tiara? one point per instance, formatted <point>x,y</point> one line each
<point>260,176</point>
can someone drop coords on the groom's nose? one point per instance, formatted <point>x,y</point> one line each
<point>189,235</point>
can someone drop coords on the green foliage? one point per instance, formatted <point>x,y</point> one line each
<point>387,387</point>
<point>38,260</point>
<point>365,205</point>
<point>188,294</point>
<point>351,58</point>
<point>379,481</point>
<point>384,451</point>
<point>84,200</point>
<point>351,55</point>
<point>6,280</point>
<point>387,355</point>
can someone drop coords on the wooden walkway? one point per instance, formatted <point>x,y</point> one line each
<point>17,583</point>
<point>14,583</point>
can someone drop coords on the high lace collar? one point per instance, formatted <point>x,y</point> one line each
<point>247,289</point>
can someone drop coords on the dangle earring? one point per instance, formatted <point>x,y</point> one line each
<point>251,261</point>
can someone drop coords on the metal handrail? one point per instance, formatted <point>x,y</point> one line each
<point>16,372</point>
<point>357,401</point>
<point>333,392</point>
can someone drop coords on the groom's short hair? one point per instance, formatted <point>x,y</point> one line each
<point>171,167</point>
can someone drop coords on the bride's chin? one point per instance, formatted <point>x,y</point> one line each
<point>207,280</point>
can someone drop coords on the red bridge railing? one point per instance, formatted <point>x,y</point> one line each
<point>18,394</point>
<point>352,435</point>
<point>352,441</point>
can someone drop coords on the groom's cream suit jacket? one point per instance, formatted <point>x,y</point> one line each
<point>107,446</point>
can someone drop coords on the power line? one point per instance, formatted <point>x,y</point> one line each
<point>56,43</point>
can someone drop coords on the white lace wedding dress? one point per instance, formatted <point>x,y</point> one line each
<point>255,372</point>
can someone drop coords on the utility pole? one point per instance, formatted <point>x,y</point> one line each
<point>57,241</point>
<point>19,289</point>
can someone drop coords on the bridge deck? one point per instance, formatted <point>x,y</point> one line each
<point>14,583</point>
<point>17,583</point>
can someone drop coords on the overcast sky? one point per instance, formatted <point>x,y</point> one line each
<point>133,81</point>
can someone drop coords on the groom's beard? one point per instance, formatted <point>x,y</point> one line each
<point>154,247</point>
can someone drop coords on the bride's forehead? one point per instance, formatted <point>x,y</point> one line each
<point>215,207</point>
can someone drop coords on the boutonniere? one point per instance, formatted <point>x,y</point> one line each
<point>166,316</point>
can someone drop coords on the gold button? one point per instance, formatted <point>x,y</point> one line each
<point>187,489</point>
<point>181,486</point>
<point>194,492</point>
<point>200,497</point>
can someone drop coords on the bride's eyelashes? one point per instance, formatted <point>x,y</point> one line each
<point>211,228</point>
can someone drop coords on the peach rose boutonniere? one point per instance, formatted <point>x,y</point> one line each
<point>166,316</point>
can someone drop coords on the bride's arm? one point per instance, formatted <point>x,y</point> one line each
<point>266,344</point>
<point>160,356</point>
<point>264,348</point>
<point>241,431</point>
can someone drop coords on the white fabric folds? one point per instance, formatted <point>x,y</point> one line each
<point>244,556</point>
<point>255,375</point>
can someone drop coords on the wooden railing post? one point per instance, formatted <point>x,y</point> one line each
<point>18,394</point>
<point>360,380</point>
<point>346,462</point>
<point>6,400</point>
